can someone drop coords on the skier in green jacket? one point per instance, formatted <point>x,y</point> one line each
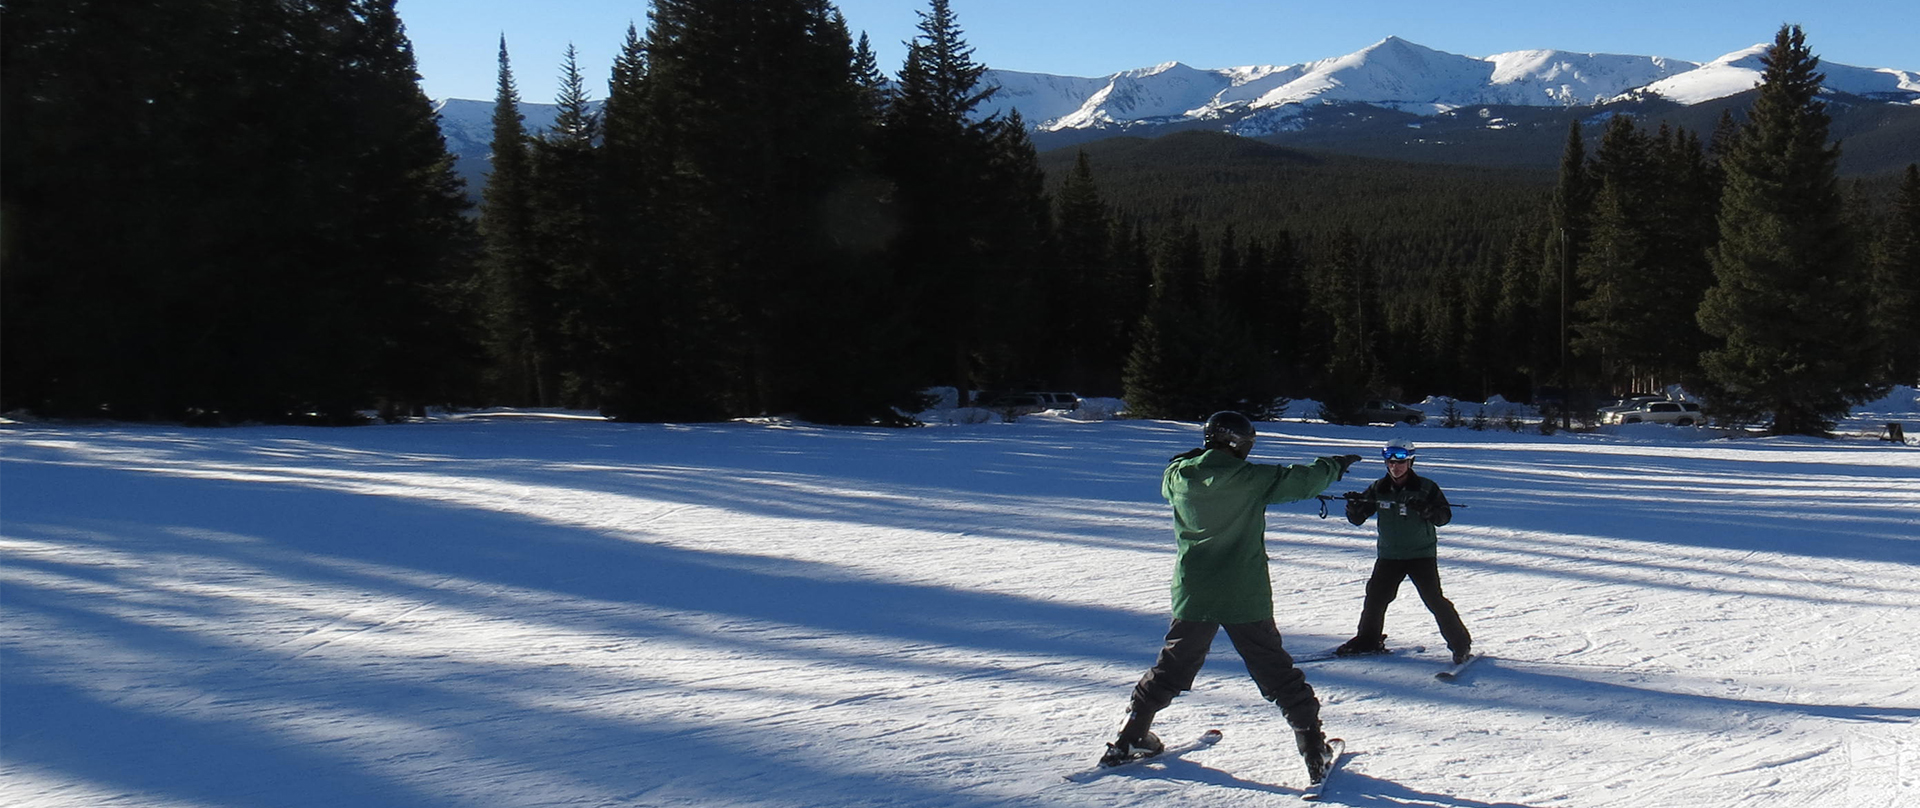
<point>1406,508</point>
<point>1220,580</point>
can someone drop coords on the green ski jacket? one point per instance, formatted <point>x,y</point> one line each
<point>1220,522</point>
<point>1404,533</point>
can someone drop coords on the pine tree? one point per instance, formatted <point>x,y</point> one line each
<point>767,210</point>
<point>937,155</point>
<point>286,226</point>
<point>1569,215</point>
<point>1685,227</point>
<point>564,205</point>
<point>1166,374</point>
<point>1351,369</point>
<point>1789,302</point>
<point>875,92</point>
<point>1016,311</point>
<point>1614,324</point>
<point>92,145</point>
<point>1082,294</point>
<point>1279,315</point>
<point>413,338</point>
<point>1896,287</point>
<point>518,311</point>
<point>647,365</point>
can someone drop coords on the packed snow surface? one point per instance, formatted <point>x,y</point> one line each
<point>546,609</point>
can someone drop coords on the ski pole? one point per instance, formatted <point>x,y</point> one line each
<point>1326,498</point>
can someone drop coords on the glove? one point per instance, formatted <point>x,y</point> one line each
<point>1187,455</point>
<point>1345,461</point>
<point>1424,508</point>
<point>1359,509</point>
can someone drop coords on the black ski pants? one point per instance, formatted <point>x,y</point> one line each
<point>1258,643</point>
<point>1384,586</point>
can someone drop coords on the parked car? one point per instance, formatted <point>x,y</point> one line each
<point>1622,405</point>
<point>1678,413</point>
<point>1383,411</point>
<point>1025,403</point>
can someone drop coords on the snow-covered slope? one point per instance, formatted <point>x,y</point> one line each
<point>468,125</point>
<point>517,609</point>
<point>1741,70</point>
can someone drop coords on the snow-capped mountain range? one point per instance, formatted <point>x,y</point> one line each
<point>1390,74</point>
<point>1396,74</point>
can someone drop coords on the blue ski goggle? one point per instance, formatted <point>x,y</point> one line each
<point>1396,454</point>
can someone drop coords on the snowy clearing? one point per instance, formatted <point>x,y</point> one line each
<point>542,609</point>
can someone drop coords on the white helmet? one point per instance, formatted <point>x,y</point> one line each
<point>1397,449</point>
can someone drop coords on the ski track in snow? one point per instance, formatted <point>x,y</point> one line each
<point>539,609</point>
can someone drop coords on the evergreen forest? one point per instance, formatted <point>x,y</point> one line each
<point>245,212</point>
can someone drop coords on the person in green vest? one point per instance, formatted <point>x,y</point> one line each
<point>1220,580</point>
<point>1406,509</point>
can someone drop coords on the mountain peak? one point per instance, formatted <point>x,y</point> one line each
<point>1398,74</point>
<point>1161,68</point>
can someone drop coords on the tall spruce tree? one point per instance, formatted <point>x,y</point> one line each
<point>1790,302</point>
<point>1081,295</point>
<point>519,314</point>
<point>761,131</point>
<point>414,337</point>
<point>1569,218</point>
<point>1166,374</point>
<point>1346,288</point>
<point>1618,316</point>
<point>649,365</point>
<point>1685,226</point>
<point>938,154</point>
<point>875,91</point>
<point>1896,286</point>
<point>1015,243</point>
<point>564,207</point>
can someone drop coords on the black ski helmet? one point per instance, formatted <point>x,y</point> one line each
<point>1229,430</point>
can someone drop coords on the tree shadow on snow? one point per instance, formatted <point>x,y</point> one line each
<point>130,678</point>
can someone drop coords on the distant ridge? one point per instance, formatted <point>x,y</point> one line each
<point>1399,75</point>
<point>1393,99</point>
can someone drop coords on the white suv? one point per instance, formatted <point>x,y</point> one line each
<point>1678,413</point>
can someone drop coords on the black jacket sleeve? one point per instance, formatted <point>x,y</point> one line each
<point>1436,510</point>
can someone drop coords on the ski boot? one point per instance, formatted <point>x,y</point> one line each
<point>1362,646</point>
<point>1315,752</point>
<point>1127,750</point>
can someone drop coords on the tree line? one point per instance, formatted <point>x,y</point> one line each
<point>224,210</point>
<point>248,214</point>
<point>1734,264</point>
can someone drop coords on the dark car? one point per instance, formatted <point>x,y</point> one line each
<point>1383,411</point>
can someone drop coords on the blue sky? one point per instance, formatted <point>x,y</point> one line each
<point>455,40</point>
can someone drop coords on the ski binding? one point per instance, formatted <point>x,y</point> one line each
<point>1453,671</point>
<point>1206,739</point>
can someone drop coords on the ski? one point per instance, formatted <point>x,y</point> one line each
<point>1206,739</point>
<point>1454,670</point>
<point>1323,656</point>
<point>1314,790</point>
